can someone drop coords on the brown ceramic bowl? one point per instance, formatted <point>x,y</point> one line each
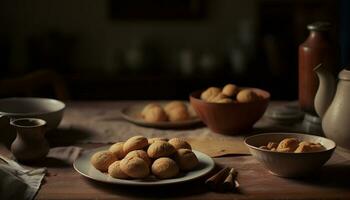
<point>230,118</point>
<point>290,165</point>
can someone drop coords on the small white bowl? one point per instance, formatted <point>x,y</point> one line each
<point>50,110</point>
<point>290,164</point>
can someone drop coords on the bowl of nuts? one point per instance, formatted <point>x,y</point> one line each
<point>231,109</point>
<point>290,154</point>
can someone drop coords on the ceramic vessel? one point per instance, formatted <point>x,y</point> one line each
<point>230,118</point>
<point>290,165</point>
<point>30,143</point>
<point>50,110</point>
<point>317,48</point>
<point>332,104</point>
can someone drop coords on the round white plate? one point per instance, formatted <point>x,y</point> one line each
<point>133,114</point>
<point>83,166</point>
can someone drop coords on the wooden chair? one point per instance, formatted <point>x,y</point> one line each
<point>41,83</point>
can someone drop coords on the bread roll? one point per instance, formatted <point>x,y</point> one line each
<point>179,143</point>
<point>135,143</point>
<point>210,93</point>
<point>174,105</point>
<point>186,159</point>
<point>140,154</point>
<point>115,171</point>
<point>160,149</point>
<point>102,159</point>
<point>164,168</point>
<point>247,95</point>
<point>134,167</point>
<point>155,114</point>
<point>152,140</point>
<point>178,114</point>
<point>230,90</point>
<point>117,150</point>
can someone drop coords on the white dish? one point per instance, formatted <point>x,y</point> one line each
<point>83,166</point>
<point>50,110</point>
<point>133,115</point>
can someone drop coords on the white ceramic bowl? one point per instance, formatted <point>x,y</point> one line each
<point>50,110</point>
<point>290,164</point>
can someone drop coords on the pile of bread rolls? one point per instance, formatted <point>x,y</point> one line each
<point>139,157</point>
<point>229,93</point>
<point>293,145</point>
<point>173,111</point>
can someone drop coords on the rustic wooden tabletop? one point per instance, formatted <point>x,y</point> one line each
<point>63,182</point>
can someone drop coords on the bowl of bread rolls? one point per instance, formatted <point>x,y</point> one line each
<point>290,154</point>
<point>230,109</point>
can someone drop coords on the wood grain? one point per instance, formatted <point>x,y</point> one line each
<point>255,183</point>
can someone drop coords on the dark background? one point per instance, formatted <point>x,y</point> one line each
<point>162,49</point>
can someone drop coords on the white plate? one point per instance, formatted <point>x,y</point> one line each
<point>83,166</point>
<point>133,114</point>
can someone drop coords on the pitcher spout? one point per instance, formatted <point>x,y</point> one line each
<point>326,89</point>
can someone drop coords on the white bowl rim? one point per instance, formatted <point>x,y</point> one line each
<point>60,103</point>
<point>334,145</point>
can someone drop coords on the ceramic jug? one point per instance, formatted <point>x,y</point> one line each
<point>30,143</point>
<point>332,104</point>
<point>317,48</point>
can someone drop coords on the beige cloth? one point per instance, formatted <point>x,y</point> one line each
<point>23,182</point>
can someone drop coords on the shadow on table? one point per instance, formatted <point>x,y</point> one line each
<point>187,189</point>
<point>159,192</point>
<point>333,175</point>
<point>67,136</point>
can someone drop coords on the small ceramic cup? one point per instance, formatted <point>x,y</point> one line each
<point>30,143</point>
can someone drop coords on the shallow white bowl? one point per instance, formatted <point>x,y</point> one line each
<point>50,110</point>
<point>290,164</point>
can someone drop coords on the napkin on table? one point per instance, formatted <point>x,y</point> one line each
<point>18,182</point>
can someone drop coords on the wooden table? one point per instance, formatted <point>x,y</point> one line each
<point>332,182</point>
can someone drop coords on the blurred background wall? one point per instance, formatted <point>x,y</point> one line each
<point>103,50</point>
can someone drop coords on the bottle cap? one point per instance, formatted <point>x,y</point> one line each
<point>319,26</point>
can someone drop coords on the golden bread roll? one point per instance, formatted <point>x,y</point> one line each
<point>147,107</point>
<point>134,167</point>
<point>152,140</point>
<point>117,150</point>
<point>308,147</point>
<point>160,149</point>
<point>179,143</point>
<point>230,90</point>
<point>288,145</point>
<point>186,159</point>
<point>140,154</point>
<point>247,95</point>
<point>164,168</point>
<point>178,114</point>
<point>135,143</point>
<point>155,114</point>
<point>210,93</point>
<point>174,105</point>
<point>115,171</point>
<point>102,159</point>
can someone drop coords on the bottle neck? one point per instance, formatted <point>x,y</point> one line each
<point>319,35</point>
